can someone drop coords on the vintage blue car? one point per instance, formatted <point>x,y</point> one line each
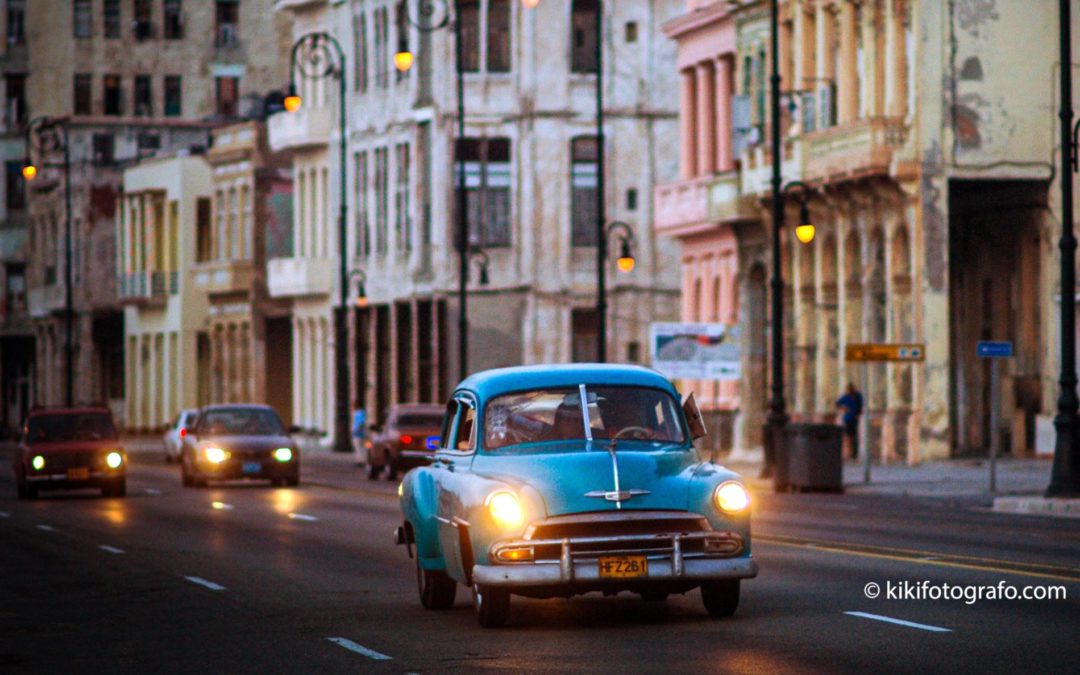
<point>559,480</point>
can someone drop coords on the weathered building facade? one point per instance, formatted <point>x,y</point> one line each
<point>127,80</point>
<point>930,157</point>
<point>530,153</point>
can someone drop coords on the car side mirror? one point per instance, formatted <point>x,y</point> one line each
<point>295,429</point>
<point>694,420</point>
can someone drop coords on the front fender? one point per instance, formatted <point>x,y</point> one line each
<point>707,476</point>
<point>419,501</point>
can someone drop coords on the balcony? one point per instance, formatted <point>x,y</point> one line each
<point>45,300</point>
<point>299,277</point>
<point>863,148</point>
<point>695,205</point>
<point>308,127</point>
<point>296,4</point>
<point>757,166</point>
<point>219,277</point>
<point>147,288</point>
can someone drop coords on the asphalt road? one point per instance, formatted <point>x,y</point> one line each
<point>247,578</point>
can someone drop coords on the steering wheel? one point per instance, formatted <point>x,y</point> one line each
<point>640,433</point>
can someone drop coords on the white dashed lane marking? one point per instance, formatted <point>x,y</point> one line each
<point>4,514</point>
<point>111,549</point>
<point>152,491</point>
<point>205,584</point>
<point>221,506</point>
<point>359,649</point>
<point>45,528</point>
<point>900,622</point>
<point>302,516</point>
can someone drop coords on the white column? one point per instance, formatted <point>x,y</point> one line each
<point>297,373</point>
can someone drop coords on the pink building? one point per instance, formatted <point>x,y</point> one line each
<point>697,209</point>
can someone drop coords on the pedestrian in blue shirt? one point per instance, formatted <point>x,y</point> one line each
<point>852,404</point>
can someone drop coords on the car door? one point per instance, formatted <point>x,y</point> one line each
<point>451,472</point>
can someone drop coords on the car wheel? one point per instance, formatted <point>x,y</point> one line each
<point>392,473</point>
<point>721,598</point>
<point>20,488</point>
<point>293,482</point>
<point>437,590</point>
<point>185,477</point>
<point>115,488</point>
<point>492,605</point>
<point>373,471</point>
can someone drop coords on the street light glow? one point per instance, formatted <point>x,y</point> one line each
<point>403,60</point>
<point>29,171</point>
<point>292,103</point>
<point>805,233</point>
<point>625,263</point>
<point>530,4</point>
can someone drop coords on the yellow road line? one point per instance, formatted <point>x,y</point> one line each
<point>843,549</point>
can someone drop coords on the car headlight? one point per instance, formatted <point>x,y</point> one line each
<point>731,497</point>
<point>504,509</point>
<point>38,462</point>
<point>215,455</point>
<point>114,460</point>
<point>283,454</point>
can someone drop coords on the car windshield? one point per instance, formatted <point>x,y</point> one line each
<point>544,415</point>
<point>420,420</point>
<point>70,427</point>
<point>240,422</point>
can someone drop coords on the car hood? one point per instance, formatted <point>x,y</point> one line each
<point>100,445</point>
<point>250,443</point>
<point>564,474</point>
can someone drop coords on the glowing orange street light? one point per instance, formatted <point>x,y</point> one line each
<point>804,231</point>
<point>403,60</point>
<point>625,263</point>
<point>292,100</point>
<point>29,171</point>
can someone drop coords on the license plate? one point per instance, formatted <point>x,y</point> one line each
<point>623,567</point>
<point>82,473</point>
<point>252,467</point>
<point>432,443</point>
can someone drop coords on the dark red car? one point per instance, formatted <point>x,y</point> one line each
<point>70,448</point>
<point>408,439</point>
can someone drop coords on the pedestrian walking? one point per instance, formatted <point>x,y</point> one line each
<point>852,404</point>
<point>359,427</point>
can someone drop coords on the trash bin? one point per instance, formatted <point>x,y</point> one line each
<point>813,459</point>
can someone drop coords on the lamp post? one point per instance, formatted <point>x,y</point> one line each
<point>433,15</point>
<point>316,56</point>
<point>601,215</point>
<point>46,135</point>
<point>625,264</point>
<point>1065,475</point>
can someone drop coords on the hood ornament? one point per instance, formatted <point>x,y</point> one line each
<point>617,495</point>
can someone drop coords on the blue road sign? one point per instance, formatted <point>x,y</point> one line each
<point>994,350</point>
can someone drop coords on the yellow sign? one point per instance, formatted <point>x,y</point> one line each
<point>884,352</point>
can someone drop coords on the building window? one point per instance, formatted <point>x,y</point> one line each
<point>487,189</point>
<point>16,22</point>
<point>83,94</point>
<point>174,20</point>
<point>143,23</point>
<point>583,18</point>
<point>498,36</point>
<point>149,142</point>
<point>381,200</point>
<point>111,18</point>
<point>382,65</point>
<point>15,187</point>
<point>114,99</point>
<point>363,243</point>
<point>202,230</point>
<point>228,23</point>
<point>173,104</point>
<point>360,47</point>
<point>15,293</point>
<point>470,35</point>
<point>584,196</point>
<point>631,31</point>
<point>14,100</point>
<point>227,95</point>
<point>631,199</point>
<point>104,146</point>
<point>81,19</point>
<point>144,99</point>
<point>402,207</point>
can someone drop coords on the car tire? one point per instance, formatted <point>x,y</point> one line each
<point>116,487</point>
<point>185,477</point>
<point>721,598</point>
<point>293,482</point>
<point>492,605</point>
<point>373,471</point>
<point>392,473</point>
<point>437,590</point>
<point>22,488</point>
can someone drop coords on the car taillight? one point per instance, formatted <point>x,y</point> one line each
<point>183,432</point>
<point>406,439</point>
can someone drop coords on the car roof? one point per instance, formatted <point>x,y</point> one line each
<point>490,383</point>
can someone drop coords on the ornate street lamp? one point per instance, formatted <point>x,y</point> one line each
<point>45,136</point>
<point>317,56</point>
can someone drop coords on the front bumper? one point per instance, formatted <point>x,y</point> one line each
<point>63,481</point>
<point>237,470</point>
<point>588,572</point>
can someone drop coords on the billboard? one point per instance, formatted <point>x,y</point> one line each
<point>695,351</point>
